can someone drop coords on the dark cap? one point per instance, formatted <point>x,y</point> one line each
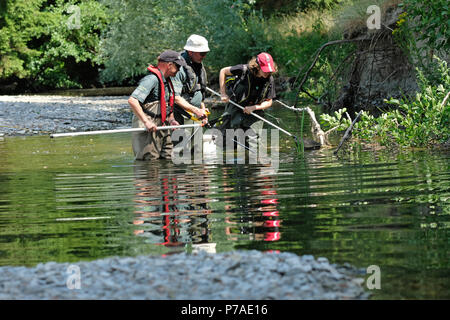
<point>172,56</point>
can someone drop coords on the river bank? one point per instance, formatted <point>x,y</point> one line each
<point>39,115</point>
<point>236,275</point>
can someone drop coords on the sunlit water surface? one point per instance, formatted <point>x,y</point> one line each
<point>84,198</point>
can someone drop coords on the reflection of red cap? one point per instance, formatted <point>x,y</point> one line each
<point>272,236</point>
<point>265,61</point>
<point>270,214</point>
<point>269,201</point>
<point>272,223</point>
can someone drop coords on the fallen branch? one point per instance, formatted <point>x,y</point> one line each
<point>347,132</point>
<point>444,102</point>
<point>315,126</point>
<point>305,77</point>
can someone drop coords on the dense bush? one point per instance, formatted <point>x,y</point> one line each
<point>430,21</point>
<point>135,40</point>
<point>290,7</point>
<point>48,45</point>
<point>420,121</point>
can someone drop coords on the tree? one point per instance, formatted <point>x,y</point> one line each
<point>47,45</point>
<point>134,40</point>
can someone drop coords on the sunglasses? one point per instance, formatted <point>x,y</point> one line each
<point>176,65</point>
<point>202,53</point>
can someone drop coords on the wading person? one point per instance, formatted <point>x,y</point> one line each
<point>251,86</point>
<point>190,83</point>
<point>152,104</point>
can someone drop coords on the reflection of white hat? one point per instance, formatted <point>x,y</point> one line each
<point>196,43</point>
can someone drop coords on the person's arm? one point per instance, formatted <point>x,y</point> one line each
<point>178,81</point>
<point>198,112</point>
<point>267,103</point>
<point>145,87</point>
<point>264,105</point>
<point>224,72</point>
<point>172,121</point>
<point>137,110</point>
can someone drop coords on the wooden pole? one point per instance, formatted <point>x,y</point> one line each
<point>255,115</point>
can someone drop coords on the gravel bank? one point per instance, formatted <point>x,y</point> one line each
<point>239,275</point>
<point>37,115</point>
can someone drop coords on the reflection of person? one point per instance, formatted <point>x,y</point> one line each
<point>171,208</point>
<point>253,88</point>
<point>261,219</point>
<point>152,103</point>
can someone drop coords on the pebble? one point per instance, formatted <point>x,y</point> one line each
<point>237,275</point>
<point>39,115</point>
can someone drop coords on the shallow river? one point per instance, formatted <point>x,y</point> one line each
<point>83,198</point>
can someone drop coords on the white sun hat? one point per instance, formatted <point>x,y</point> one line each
<point>196,43</point>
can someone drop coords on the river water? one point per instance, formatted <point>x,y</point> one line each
<point>85,198</point>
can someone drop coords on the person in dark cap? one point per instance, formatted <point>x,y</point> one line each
<point>251,86</point>
<point>152,105</point>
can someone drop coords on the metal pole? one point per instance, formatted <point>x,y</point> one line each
<point>86,133</point>
<point>255,115</point>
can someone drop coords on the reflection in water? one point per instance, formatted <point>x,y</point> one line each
<point>92,200</point>
<point>172,205</point>
<point>252,211</point>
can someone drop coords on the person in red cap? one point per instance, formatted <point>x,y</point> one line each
<point>152,105</point>
<point>251,86</point>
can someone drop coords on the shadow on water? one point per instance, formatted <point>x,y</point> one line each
<point>84,198</point>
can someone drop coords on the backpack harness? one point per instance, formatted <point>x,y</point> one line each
<point>241,85</point>
<point>193,84</point>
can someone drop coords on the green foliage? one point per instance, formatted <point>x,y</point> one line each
<point>135,40</point>
<point>20,22</point>
<point>37,43</point>
<point>131,42</point>
<point>423,31</point>
<point>422,121</point>
<point>290,7</point>
<point>430,21</point>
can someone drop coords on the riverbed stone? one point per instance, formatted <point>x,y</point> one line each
<point>31,115</point>
<point>229,275</point>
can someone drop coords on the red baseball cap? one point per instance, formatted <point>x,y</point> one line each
<point>265,61</point>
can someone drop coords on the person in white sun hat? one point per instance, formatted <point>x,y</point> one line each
<point>190,83</point>
<point>252,86</point>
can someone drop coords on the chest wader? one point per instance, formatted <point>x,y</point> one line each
<point>195,84</point>
<point>239,90</point>
<point>151,145</point>
<point>154,145</point>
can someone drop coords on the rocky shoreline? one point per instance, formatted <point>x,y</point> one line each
<point>236,275</point>
<point>40,115</point>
